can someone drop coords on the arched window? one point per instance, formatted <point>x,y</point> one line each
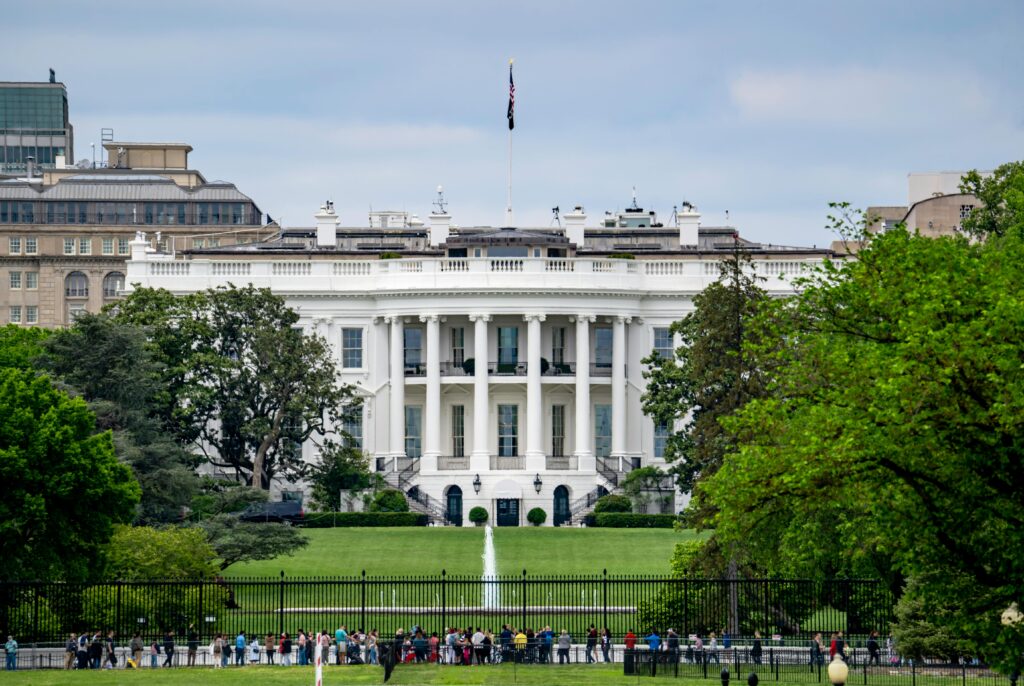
<point>112,283</point>
<point>76,285</point>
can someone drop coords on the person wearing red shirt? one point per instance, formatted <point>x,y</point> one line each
<point>629,639</point>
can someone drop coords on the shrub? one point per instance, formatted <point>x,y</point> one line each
<point>478,515</point>
<point>536,516</point>
<point>389,500</point>
<point>622,256</point>
<point>327,520</point>
<point>390,255</point>
<point>469,366</point>
<point>613,503</point>
<point>628,520</point>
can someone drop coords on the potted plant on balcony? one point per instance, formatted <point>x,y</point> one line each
<point>536,516</point>
<point>478,515</point>
<point>469,366</point>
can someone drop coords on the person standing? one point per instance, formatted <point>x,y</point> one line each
<point>270,645</point>
<point>70,649</point>
<point>111,655</point>
<point>341,639</point>
<point>564,643</point>
<point>874,650</point>
<point>169,649</point>
<point>240,649</point>
<point>840,646</point>
<point>218,651</point>
<point>713,648</point>
<point>301,652</point>
<point>154,653</point>
<point>12,653</point>
<point>83,651</point>
<point>371,647</point>
<point>254,651</point>
<point>606,644</point>
<point>755,650</point>
<point>591,643</point>
<point>817,651</point>
<point>193,645</point>
<point>286,650</point>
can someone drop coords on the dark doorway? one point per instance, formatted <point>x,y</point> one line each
<point>453,511</point>
<point>561,508</point>
<point>508,512</point>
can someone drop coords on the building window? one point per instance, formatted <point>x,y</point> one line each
<point>663,343</point>
<point>198,243</point>
<point>603,347</point>
<point>15,314</point>
<point>31,280</point>
<point>458,430</point>
<point>107,246</point>
<point>413,431</point>
<point>32,314</point>
<point>352,348</point>
<point>75,311</point>
<point>413,348</point>
<point>558,345</point>
<point>602,430</point>
<point>15,280</point>
<point>214,242</point>
<point>31,246</point>
<point>76,285</point>
<point>661,433</point>
<point>458,346</point>
<point>84,246</point>
<point>122,246</point>
<point>112,284</point>
<point>15,246</point>
<point>69,246</point>
<point>352,425</point>
<point>557,430</point>
<point>508,348</point>
<point>508,430</point>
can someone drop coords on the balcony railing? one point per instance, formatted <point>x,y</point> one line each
<point>453,369</point>
<point>416,369</point>
<point>600,369</point>
<point>560,369</point>
<point>450,463</point>
<point>568,462</point>
<point>507,368</point>
<point>500,463</point>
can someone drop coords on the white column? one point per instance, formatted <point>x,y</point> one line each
<point>534,404</point>
<point>583,451</point>
<point>619,386</point>
<point>396,373</point>
<point>432,414</point>
<point>479,459</point>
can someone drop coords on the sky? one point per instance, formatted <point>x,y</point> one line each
<point>767,110</point>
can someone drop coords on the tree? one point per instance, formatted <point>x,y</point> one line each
<point>139,553</point>
<point>711,375</point>
<point>640,483</point>
<point>64,489</point>
<point>342,467</point>
<point>537,516</point>
<point>1002,202</point>
<point>894,425</point>
<point>236,541</point>
<point>20,345</point>
<point>389,500</point>
<point>247,387</point>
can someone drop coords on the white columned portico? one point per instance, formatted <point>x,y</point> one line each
<point>584,453</point>
<point>534,405</point>
<point>432,415</point>
<point>479,459</point>
<point>619,386</point>
<point>396,374</point>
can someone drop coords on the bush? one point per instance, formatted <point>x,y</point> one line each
<point>390,255</point>
<point>536,516</point>
<point>327,520</point>
<point>478,515</point>
<point>389,500</point>
<point>613,503</point>
<point>469,366</point>
<point>622,256</point>
<point>624,520</point>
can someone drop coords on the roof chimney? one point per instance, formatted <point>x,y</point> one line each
<point>574,222</point>
<point>689,225</point>
<point>440,220</point>
<point>30,167</point>
<point>326,226</point>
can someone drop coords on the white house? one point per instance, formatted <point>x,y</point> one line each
<point>498,367</point>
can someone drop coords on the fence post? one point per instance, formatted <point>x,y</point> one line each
<point>35,613</point>
<point>280,612</point>
<point>444,599</point>
<point>913,673</point>
<point>362,603</point>
<point>524,598</point>
<point>117,612</point>
<point>202,612</point>
<point>865,674</point>
<point>604,616</point>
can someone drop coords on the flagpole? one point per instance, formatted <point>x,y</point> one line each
<point>508,206</point>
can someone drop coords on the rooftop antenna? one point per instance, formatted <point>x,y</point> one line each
<point>675,215</point>
<point>727,216</point>
<point>441,204</point>
<point>634,199</point>
<point>556,218</point>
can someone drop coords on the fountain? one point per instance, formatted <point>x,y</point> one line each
<point>490,595</point>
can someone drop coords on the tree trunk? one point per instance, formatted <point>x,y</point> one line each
<point>261,453</point>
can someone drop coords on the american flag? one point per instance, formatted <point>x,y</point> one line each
<point>511,99</point>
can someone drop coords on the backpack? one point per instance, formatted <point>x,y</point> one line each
<point>227,649</point>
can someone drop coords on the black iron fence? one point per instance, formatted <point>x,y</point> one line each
<point>781,610</point>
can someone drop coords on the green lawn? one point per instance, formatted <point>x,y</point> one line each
<point>427,550</point>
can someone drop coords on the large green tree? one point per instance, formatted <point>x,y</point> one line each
<point>245,386</point>
<point>341,467</point>
<point>894,429</point>
<point>64,489</point>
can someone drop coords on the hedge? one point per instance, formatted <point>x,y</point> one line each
<point>624,520</point>
<point>327,520</point>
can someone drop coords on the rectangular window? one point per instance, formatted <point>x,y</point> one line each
<point>15,280</point>
<point>31,280</point>
<point>458,430</point>
<point>107,246</point>
<point>15,246</point>
<point>31,246</point>
<point>602,430</point>
<point>508,430</point>
<point>214,242</point>
<point>458,346</point>
<point>508,348</point>
<point>69,246</point>
<point>15,314</point>
<point>413,431</point>
<point>198,243</point>
<point>413,348</point>
<point>32,314</point>
<point>663,343</point>
<point>352,348</point>
<point>558,345</point>
<point>352,424</point>
<point>84,246</point>
<point>557,430</point>
<point>122,246</point>
<point>603,347</point>
<point>661,433</point>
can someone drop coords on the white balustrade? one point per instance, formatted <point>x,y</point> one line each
<point>291,268</point>
<point>231,268</point>
<point>352,268</point>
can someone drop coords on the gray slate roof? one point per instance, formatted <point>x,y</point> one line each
<point>120,188</point>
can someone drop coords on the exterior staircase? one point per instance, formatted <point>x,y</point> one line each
<point>401,475</point>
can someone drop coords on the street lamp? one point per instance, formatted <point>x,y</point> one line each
<point>838,671</point>
<point>537,483</point>
<point>476,484</point>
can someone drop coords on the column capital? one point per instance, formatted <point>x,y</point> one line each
<point>623,319</point>
<point>587,318</point>
<point>534,315</point>
<point>392,318</point>
<point>431,318</point>
<point>479,317</point>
